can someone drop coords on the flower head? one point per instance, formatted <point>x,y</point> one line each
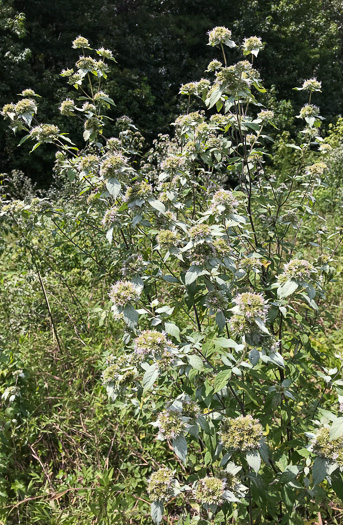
<point>87,63</point>
<point>88,162</point>
<point>75,79</point>
<point>317,168</point>
<point>191,119</point>
<point>251,305</point>
<point>214,143</point>
<point>113,144</point>
<point>67,107</point>
<point>188,89</point>
<point>266,114</point>
<point>87,106</point>
<point>119,371</point>
<point>309,110</point>
<point>202,86</point>
<point>190,408</point>
<point>161,485</point>
<point>210,491</point>
<point>8,111</point>
<point>167,238</point>
<point>220,120</point>
<point>170,424</point>
<point>241,434</point>
<point>224,201</point>
<point>250,263</point>
<point>26,105</point>
<point>173,164</point>
<point>123,293</point>
<point>138,192</point>
<point>200,232</point>
<point>312,85</point>
<point>100,96</point>
<point>219,35</point>
<point>80,43</point>
<point>214,65</point>
<point>67,72</point>
<point>105,53</point>
<point>221,247</point>
<point>290,217</point>
<point>327,448</point>
<point>325,148</point>
<point>249,309</point>
<point>45,132</point>
<point>297,270</point>
<point>124,122</point>
<point>28,93</point>
<point>253,45</point>
<point>110,166</point>
<point>216,301</point>
<point>133,264</point>
<point>151,343</point>
<point>109,216</point>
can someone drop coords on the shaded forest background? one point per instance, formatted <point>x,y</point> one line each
<point>159,45</point>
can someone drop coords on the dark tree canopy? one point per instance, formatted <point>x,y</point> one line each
<point>159,46</point>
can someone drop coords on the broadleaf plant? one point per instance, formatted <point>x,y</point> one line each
<point>217,298</point>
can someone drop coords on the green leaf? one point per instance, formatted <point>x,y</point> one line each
<point>326,413</point>
<point>108,99</point>
<point>172,330</point>
<point>24,139</point>
<point>35,146</point>
<point>225,459</point>
<point>319,470</point>
<point>261,325</point>
<point>277,358</point>
<point>336,430</point>
<point>290,473</point>
<point>113,187</point>
<point>253,459</point>
<point>130,316</point>
<point>86,134</point>
<point>220,320</point>
<point>109,235</point>
<point>196,362</point>
<point>157,511</point>
<point>157,205</point>
<point>287,289</point>
<point>294,146</point>
<point>221,380</point>
<point>180,448</point>
<point>226,343</point>
<point>204,424</point>
<point>337,484</point>
<point>215,96</point>
<point>193,273</point>
<point>254,356</point>
<point>150,376</point>
<point>170,279</point>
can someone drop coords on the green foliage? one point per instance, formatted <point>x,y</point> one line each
<point>199,307</point>
<point>158,46</point>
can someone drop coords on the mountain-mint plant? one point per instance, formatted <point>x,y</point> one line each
<point>221,290</point>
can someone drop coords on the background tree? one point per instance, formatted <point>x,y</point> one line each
<point>158,46</point>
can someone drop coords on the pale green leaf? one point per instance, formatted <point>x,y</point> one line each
<point>195,361</point>
<point>157,511</point>
<point>150,376</point>
<point>180,448</point>
<point>172,330</point>
<point>287,289</point>
<point>336,430</point>
<point>113,187</point>
<point>253,459</point>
